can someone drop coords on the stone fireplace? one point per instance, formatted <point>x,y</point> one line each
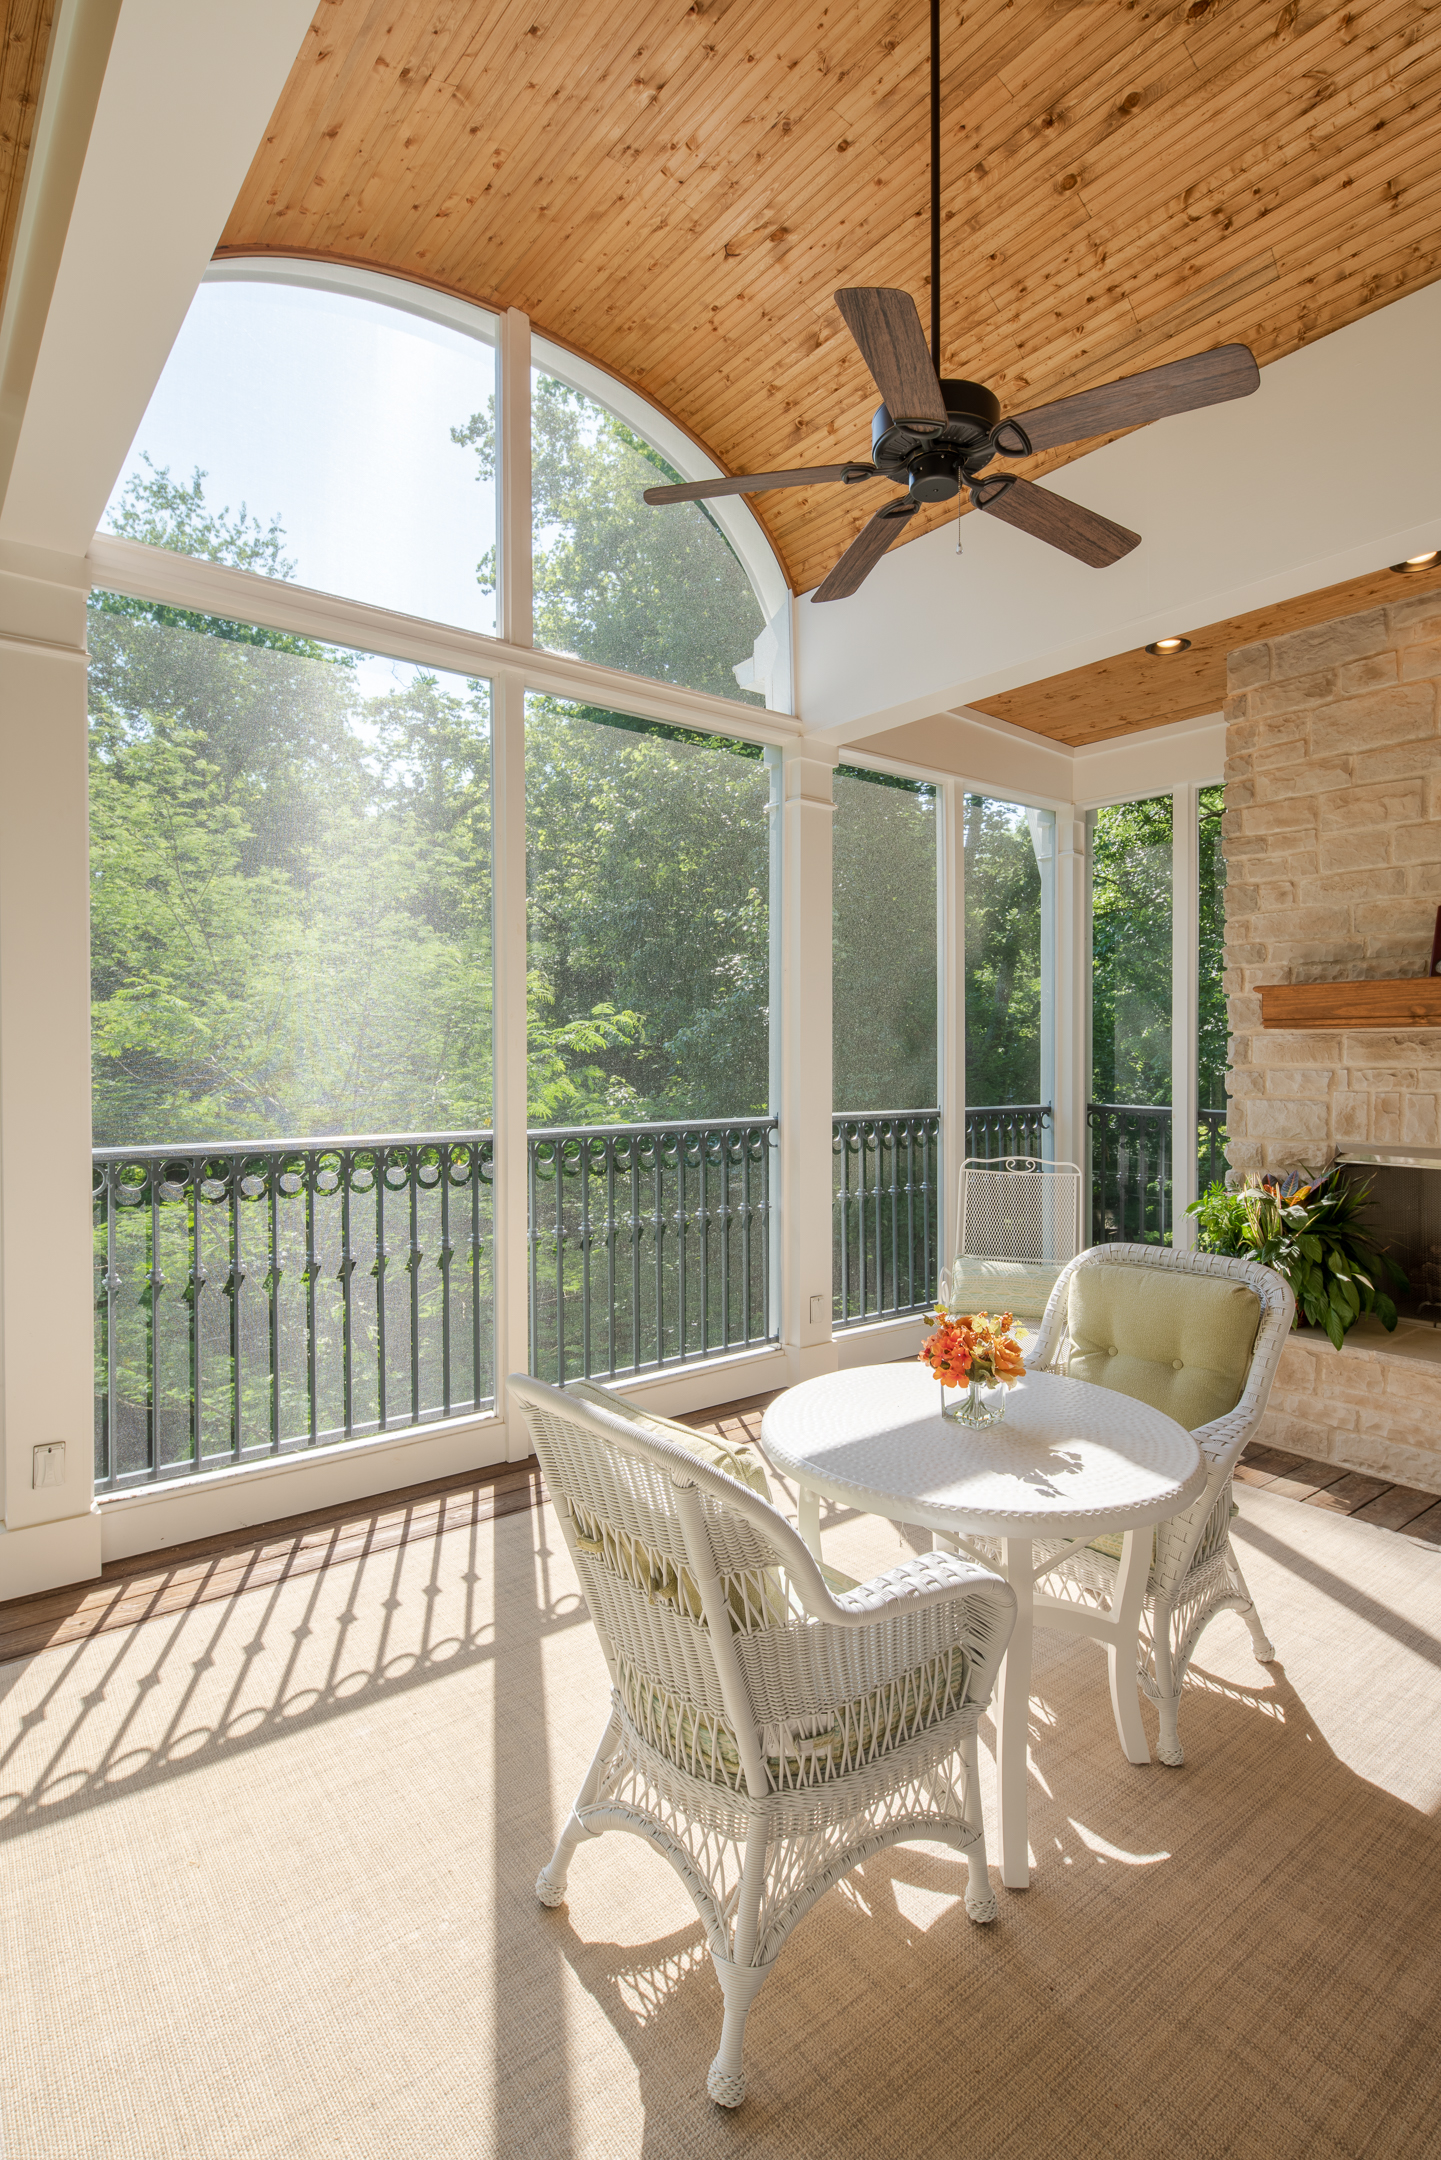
<point>1333,865</point>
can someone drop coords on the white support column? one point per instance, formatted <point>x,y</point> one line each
<point>1185,951</point>
<point>51,1531</point>
<point>514,535</point>
<point>1071,1027</point>
<point>512,1213</point>
<point>807,810</point>
<point>951,1006</point>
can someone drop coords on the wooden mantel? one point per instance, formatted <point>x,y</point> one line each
<point>1413,1001</point>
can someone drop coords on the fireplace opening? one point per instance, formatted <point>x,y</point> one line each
<point>1404,1216</point>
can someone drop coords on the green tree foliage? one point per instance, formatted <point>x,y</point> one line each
<point>1003,955</point>
<point>292,887</point>
<point>649,910</point>
<point>1213,1028</point>
<point>660,592</point>
<point>1131,949</point>
<point>884,943</point>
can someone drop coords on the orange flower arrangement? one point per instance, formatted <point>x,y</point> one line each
<point>973,1346</point>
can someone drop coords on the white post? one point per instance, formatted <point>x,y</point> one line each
<point>514,599</point>
<point>808,808</point>
<point>51,1531</point>
<point>1071,973</point>
<point>1185,954</point>
<point>951,1006</point>
<point>512,1204</point>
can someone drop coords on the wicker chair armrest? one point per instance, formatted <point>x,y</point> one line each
<point>890,1627</point>
<point>930,1579</point>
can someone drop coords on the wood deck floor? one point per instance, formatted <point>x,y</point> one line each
<point>184,1576</point>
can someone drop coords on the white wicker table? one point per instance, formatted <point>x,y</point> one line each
<point>1069,1462</point>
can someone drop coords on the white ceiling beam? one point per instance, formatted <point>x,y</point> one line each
<point>187,90</point>
<point>1330,471</point>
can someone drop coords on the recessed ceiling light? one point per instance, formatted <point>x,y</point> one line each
<point>1415,563</point>
<point>1165,645</point>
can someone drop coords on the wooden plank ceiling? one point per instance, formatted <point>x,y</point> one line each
<point>676,187</point>
<point>1135,690</point>
<point>25,43</point>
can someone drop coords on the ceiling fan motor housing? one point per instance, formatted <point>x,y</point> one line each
<point>931,460</point>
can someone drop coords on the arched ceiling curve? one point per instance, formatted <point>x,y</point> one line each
<point>675,188</point>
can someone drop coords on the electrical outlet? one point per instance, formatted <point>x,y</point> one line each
<point>818,1309</point>
<point>49,1464</point>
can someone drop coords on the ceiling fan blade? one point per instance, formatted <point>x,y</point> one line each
<point>1035,510</point>
<point>885,325</point>
<point>1209,378</point>
<point>865,551</point>
<point>757,483</point>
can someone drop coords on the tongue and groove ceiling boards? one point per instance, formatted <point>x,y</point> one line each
<point>675,188</point>
<point>22,68</point>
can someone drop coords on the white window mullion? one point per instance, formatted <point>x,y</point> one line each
<point>951,1008</point>
<point>805,1022</point>
<point>512,1210</point>
<point>515,600</point>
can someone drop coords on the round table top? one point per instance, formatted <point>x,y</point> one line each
<point>1069,1460</point>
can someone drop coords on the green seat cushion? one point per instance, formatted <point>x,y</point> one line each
<point>1181,1343</point>
<point>1021,1287</point>
<point>759,1601</point>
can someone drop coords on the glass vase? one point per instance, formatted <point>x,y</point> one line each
<point>972,1409</point>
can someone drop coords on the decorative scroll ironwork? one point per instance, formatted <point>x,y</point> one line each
<point>1131,1201</point>
<point>887,1203</point>
<point>997,1130</point>
<point>253,1301</point>
<point>649,1244</point>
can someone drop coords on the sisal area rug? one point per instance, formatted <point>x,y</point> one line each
<point>268,1867</point>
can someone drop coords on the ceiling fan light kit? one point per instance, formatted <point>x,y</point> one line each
<point>936,436</point>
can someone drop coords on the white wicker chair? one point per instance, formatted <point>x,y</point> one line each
<point>1018,1223</point>
<point>763,1735</point>
<point>1151,1617</point>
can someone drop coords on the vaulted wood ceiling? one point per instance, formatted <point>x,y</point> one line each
<point>26,39</point>
<point>676,187</point>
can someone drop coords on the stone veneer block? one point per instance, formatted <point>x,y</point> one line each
<point>1332,837</point>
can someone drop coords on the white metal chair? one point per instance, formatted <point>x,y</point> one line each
<point>1199,1337</point>
<point>1019,1223</point>
<point>763,1735</point>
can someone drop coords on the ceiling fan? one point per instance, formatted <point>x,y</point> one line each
<point>934,436</point>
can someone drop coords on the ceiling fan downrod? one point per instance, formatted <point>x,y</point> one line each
<point>936,185</point>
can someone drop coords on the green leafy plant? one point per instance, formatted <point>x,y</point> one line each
<point>1308,1228</point>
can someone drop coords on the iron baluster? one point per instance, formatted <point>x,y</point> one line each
<point>446,1253</point>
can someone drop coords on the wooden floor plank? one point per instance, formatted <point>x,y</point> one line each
<point>1427,1526</point>
<point>208,1569</point>
<point>1349,1493</point>
<point>1396,1506</point>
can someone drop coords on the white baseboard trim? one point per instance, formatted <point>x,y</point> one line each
<point>150,1518</point>
<point>46,1556</point>
<point>880,1342</point>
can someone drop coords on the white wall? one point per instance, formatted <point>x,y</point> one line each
<point>1332,469</point>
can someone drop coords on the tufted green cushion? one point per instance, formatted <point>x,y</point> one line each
<point>1181,1343</point>
<point>1021,1287</point>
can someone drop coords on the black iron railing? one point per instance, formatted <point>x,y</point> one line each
<point>649,1244</point>
<point>1210,1148</point>
<point>1130,1173</point>
<point>887,1213</point>
<point>255,1300</point>
<point>996,1130</point>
